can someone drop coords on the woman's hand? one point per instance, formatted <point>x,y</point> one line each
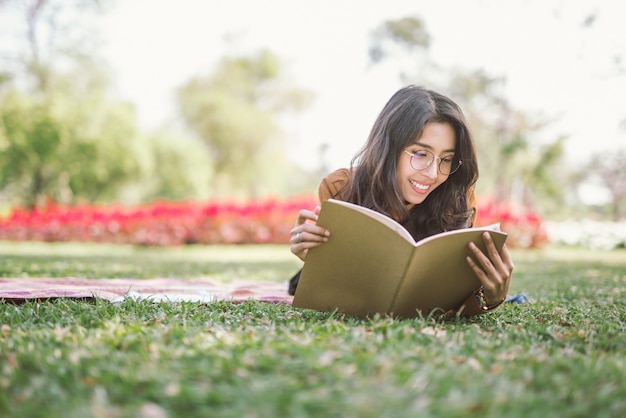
<point>493,269</point>
<point>307,234</point>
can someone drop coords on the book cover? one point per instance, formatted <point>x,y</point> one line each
<point>371,264</point>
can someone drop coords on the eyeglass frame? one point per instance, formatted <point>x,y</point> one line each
<point>411,154</point>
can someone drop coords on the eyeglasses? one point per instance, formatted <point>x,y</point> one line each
<point>422,159</point>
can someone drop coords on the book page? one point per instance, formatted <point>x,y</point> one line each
<point>493,227</point>
<point>384,219</point>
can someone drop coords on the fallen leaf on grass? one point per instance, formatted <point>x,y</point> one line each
<point>435,332</point>
<point>470,361</point>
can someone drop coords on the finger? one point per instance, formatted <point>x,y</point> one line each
<point>303,254</point>
<point>479,272</point>
<point>302,249</point>
<point>309,233</point>
<point>482,261</point>
<point>306,234</point>
<point>492,268</point>
<point>506,258</point>
<point>300,253</point>
<point>501,260</point>
<point>493,280</point>
<point>296,237</point>
<point>494,290</point>
<point>306,215</point>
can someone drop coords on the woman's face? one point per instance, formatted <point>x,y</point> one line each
<point>416,185</point>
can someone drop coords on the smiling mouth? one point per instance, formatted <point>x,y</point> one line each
<point>419,186</point>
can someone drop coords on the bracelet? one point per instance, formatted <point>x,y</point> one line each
<point>482,301</point>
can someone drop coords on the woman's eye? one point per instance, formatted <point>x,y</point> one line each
<point>421,154</point>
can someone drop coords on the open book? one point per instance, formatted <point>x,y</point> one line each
<point>371,264</point>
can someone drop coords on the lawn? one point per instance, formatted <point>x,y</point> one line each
<point>562,354</point>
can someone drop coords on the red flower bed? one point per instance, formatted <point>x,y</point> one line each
<point>170,223</point>
<point>524,226</point>
<point>160,223</point>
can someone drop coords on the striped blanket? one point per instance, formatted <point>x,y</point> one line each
<point>159,289</point>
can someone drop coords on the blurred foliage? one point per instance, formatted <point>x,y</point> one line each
<point>611,169</point>
<point>63,139</point>
<point>409,33</point>
<point>233,110</point>
<point>173,167</point>
<point>72,145</point>
<point>513,166</point>
<point>60,137</point>
<point>66,143</point>
<point>47,37</point>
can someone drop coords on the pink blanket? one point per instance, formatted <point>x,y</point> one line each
<point>199,290</point>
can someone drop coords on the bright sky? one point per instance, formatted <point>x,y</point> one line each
<point>551,64</point>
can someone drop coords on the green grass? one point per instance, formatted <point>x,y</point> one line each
<point>563,354</point>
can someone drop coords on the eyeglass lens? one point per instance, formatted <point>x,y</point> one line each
<point>422,159</point>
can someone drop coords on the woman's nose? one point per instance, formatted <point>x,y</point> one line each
<point>431,170</point>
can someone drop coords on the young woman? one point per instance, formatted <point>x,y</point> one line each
<point>419,167</point>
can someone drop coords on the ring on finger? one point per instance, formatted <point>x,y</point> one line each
<point>298,238</point>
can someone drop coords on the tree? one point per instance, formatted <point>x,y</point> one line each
<point>233,111</point>
<point>512,167</point>
<point>610,169</point>
<point>409,33</point>
<point>61,138</point>
<point>402,38</point>
<point>48,35</point>
<point>172,167</point>
<point>68,145</point>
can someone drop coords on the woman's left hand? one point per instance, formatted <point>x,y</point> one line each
<point>493,269</point>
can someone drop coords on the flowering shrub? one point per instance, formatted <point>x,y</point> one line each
<point>160,223</point>
<point>171,223</point>
<point>524,226</point>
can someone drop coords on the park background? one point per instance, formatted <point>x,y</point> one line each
<point>171,110</point>
<point>133,129</point>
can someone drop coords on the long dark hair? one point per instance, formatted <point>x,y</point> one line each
<point>398,125</point>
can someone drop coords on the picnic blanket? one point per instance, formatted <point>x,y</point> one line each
<point>158,289</point>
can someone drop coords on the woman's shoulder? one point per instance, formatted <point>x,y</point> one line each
<point>335,184</point>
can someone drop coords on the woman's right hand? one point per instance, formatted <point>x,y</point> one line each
<point>306,233</point>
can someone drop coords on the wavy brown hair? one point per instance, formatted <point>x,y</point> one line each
<point>398,125</point>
